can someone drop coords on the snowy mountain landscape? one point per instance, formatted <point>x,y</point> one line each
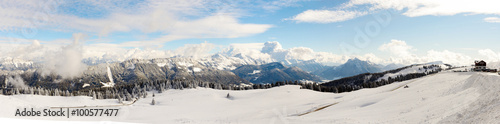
<point>244,90</point>
<point>231,67</point>
<point>250,61</point>
<point>445,97</point>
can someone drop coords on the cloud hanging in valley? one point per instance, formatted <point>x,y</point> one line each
<point>67,62</point>
<point>16,81</point>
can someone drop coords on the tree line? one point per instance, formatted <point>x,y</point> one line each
<point>131,91</point>
<point>128,92</point>
<point>373,80</point>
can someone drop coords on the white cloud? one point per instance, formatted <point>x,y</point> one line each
<point>414,8</point>
<point>277,53</point>
<point>326,16</point>
<point>398,48</point>
<point>371,57</point>
<point>256,46</point>
<point>273,51</point>
<point>68,61</point>
<point>195,50</point>
<point>410,8</point>
<point>272,46</point>
<point>175,19</point>
<point>245,50</point>
<point>218,26</point>
<point>492,19</point>
<point>489,55</point>
<point>115,53</point>
<point>274,5</point>
<point>402,53</point>
<point>109,53</point>
<point>34,50</point>
<point>330,58</point>
<point>303,53</point>
<point>447,57</point>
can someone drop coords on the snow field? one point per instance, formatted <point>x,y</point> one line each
<point>446,97</point>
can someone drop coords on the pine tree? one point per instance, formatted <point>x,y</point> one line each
<point>47,92</point>
<point>128,96</point>
<point>93,96</point>
<point>32,91</point>
<point>17,92</point>
<point>90,93</point>
<point>120,100</point>
<point>160,90</point>
<point>153,102</point>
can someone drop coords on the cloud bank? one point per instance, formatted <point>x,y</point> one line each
<point>492,19</point>
<point>326,16</point>
<point>410,8</point>
<point>402,53</point>
<point>173,19</point>
<point>398,48</point>
<point>273,51</point>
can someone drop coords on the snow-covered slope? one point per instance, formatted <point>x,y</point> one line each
<point>446,97</point>
<point>424,68</point>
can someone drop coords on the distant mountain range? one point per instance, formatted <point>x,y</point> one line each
<point>352,67</point>
<point>232,68</point>
<point>272,72</point>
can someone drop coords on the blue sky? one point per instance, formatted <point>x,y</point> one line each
<point>465,28</point>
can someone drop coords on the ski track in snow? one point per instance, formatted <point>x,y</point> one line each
<point>446,97</point>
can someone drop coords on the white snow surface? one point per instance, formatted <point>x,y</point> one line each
<point>161,64</point>
<point>446,97</point>
<point>110,76</point>
<point>111,83</point>
<point>196,69</point>
<point>85,85</point>
<point>410,70</point>
<point>255,72</point>
<point>108,84</point>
